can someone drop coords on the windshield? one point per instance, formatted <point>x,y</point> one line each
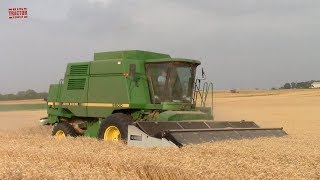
<point>171,81</point>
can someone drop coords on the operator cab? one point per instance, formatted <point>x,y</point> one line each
<point>171,81</point>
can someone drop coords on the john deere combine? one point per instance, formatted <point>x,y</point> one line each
<point>142,98</point>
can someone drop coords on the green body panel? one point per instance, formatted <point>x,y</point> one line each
<point>92,129</point>
<point>175,106</point>
<point>138,89</point>
<point>75,87</point>
<point>107,67</point>
<point>53,93</point>
<point>106,90</point>
<point>183,115</point>
<point>96,89</point>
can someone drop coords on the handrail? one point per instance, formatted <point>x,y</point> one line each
<point>202,93</point>
<point>196,91</point>
<point>206,87</point>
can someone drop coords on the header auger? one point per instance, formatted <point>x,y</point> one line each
<point>143,98</point>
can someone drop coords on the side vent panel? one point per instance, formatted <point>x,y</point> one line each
<point>77,70</point>
<point>76,84</point>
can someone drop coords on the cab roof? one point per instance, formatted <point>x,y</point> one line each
<point>129,54</point>
<point>146,56</point>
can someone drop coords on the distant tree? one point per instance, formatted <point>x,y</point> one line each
<point>21,93</point>
<point>298,85</point>
<point>28,94</point>
<point>287,86</point>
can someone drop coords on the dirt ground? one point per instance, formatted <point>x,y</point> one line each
<point>28,152</point>
<point>33,101</point>
<point>13,120</point>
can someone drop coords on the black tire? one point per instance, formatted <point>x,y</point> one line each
<point>119,120</point>
<point>66,128</point>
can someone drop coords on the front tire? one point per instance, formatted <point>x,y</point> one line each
<point>115,127</point>
<point>63,129</point>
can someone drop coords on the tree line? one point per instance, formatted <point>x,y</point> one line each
<point>298,85</point>
<point>21,95</point>
<point>31,94</point>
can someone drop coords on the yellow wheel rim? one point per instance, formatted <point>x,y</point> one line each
<point>112,133</point>
<point>60,134</point>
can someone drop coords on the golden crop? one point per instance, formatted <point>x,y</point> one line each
<point>31,153</point>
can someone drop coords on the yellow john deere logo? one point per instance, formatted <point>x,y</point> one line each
<point>70,104</point>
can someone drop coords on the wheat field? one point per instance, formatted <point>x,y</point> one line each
<point>27,151</point>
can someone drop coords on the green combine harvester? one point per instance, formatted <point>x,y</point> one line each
<point>142,98</point>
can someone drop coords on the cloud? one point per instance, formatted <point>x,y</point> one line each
<point>243,44</point>
<point>105,2</point>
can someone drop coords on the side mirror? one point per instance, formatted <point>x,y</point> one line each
<point>203,74</point>
<point>132,70</point>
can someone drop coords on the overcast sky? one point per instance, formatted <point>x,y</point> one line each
<point>242,44</point>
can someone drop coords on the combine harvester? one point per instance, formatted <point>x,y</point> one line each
<point>143,98</point>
